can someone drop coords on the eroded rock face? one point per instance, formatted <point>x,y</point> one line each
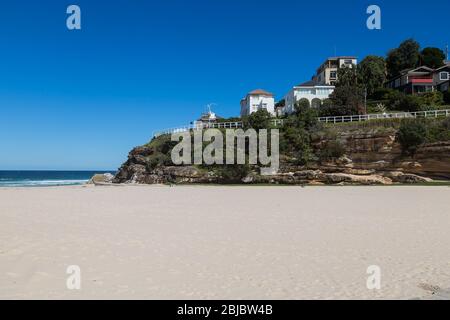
<point>371,158</point>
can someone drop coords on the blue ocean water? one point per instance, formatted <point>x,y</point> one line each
<point>45,178</point>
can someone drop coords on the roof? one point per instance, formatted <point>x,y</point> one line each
<point>342,57</point>
<point>312,83</point>
<point>447,65</point>
<point>260,92</point>
<point>426,69</point>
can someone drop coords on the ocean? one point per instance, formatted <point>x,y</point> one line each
<point>45,178</point>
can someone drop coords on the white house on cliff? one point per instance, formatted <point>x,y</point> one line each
<point>322,84</point>
<point>313,92</point>
<point>257,100</point>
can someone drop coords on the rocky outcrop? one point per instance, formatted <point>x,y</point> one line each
<point>372,157</point>
<point>101,179</point>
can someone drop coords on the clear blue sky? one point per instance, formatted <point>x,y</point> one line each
<point>82,99</point>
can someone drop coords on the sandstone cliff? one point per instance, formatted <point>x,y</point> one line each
<point>372,156</point>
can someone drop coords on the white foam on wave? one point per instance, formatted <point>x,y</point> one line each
<point>41,183</point>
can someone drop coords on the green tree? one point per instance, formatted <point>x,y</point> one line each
<point>404,57</point>
<point>432,57</point>
<point>433,99</point>
<point>347,76</point>
<point>301,105</point>
<point>258,120</point>
<point>347,100</point>
<point>372,73</point>
<point>305,117</point>
<point>409,103</point>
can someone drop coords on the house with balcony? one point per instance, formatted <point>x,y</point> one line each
<point>315,93</point>
<point>257,100</point>
<point>414,81</point>
<point>421,80</point>
<point>327,73</point>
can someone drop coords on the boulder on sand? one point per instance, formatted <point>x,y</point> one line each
<point>101,179</point>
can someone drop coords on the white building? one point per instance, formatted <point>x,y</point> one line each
<point>327,73</point>
<point>257,100</point>
<point>315,93</point>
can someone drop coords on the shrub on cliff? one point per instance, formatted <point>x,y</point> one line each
<point>295,135</point>
<point>159,154</point>
<point>347,100</point>
<point>439,131</point>
<point>411,135</point>
<point>260,119</point>
<point>296,142</point>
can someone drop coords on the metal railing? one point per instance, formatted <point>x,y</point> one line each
<point>376,116</point>
<point>339,119</point>
<point>201,126</point>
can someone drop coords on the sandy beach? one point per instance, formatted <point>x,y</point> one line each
<point>198,242</point>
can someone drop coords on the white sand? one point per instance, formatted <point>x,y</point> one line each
<point>224,242</point>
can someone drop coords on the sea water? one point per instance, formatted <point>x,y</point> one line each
<point>45,178</point>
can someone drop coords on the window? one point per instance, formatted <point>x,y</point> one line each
<point>333,75</point>
<point>444,76</point>
<point>348,62</point>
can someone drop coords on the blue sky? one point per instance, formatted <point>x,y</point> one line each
<point>82,99</point>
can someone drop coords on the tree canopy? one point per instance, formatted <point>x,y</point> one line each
<point>432,57</point>
<point>372,73</point>
<point>406,56</point>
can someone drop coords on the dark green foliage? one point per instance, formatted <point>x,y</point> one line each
<point>159,153</point>
<point>295,135</point>
<point>327,103</point>
<point>296,142</point>
<point>432,57</point>
<point>433,99</point>
<point>406,56</point>
<point>372,73</point>
<point>383,93</point>
<point>346,100</point>
<point>410,103</point>
<point>415,132</point>
<point>411,135</point>
<point>302,105</point>
<point>258,120</point>
<point>347,77</point>
<point>304,117</point>
<point>439,131</point>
